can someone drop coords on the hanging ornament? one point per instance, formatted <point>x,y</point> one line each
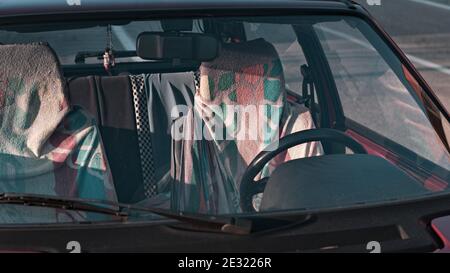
<point>108,57</point>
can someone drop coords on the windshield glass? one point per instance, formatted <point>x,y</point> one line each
<point>176,122</point>
<point>374,90</point>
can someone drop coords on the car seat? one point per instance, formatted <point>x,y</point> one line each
<point>46,147</point>
<point>208,162</point>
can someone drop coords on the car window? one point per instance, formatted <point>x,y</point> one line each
<point>182,133</point>
<point>68,43</point>
<point>371,91</point>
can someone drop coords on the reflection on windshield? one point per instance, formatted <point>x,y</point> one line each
<point>184,141</point>
<point>365,80</point>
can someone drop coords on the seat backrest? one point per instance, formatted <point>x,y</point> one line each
<point>45,146</point>
<point>241,93</point>
<point>137,157</point>
<point>110,101</point>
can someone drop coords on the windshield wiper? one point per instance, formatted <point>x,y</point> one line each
<point>240,225</point>
<point>231,225</point>
<point>60,203</point>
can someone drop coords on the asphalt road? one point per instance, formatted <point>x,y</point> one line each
<point>422,30</point>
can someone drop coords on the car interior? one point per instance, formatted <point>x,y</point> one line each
<point>135,119</point>
<point>116,103</point>
<point>132,106</point>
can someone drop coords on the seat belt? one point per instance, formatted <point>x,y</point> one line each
<point>308,90</point>
<point>144,135</point>
<point>307,86</point>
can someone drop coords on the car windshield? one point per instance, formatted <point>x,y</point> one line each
<point>178,114</point>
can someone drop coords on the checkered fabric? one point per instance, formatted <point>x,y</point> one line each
<point>144,137</point>
<point>197,80</point>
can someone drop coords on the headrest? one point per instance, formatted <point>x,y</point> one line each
<point>245,73</point>
<point>183,46</point>
<point>33,98</point>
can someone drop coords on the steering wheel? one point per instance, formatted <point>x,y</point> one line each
<point>249,187</point>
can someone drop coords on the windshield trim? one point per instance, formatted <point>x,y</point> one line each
<point>120,6</point>
<point>431,207</point>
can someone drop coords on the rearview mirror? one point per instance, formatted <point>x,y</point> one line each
<point>175,45</point>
